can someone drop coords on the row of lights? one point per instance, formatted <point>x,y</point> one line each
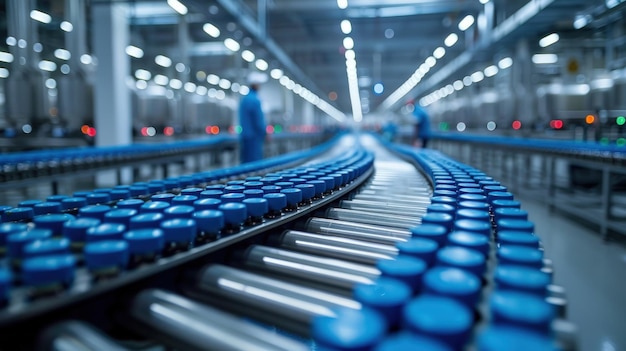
<point>351,66</point>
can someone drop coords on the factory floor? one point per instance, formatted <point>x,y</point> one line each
<point>593,272</point>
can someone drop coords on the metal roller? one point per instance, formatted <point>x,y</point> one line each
<point>370,217</point>
<point>358,231</point>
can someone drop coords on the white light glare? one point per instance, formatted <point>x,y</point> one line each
<point>451,39</point>
<point>62,54</point>
<point>40,16</point>
<point>4,73</point>
<point>86,59</point>
<point>6,57</point>
<point>143,74</point>
<point>350,55</point>
<point>180,67</point>
<point>505,63</point>
<point>348,43</point>
<point>439,52</point>
<point>461,126</point>
<point>466,22</point>
<point>161,79</point>
<point>231,44</point>
<point>248,55</point>
<point>66,26</point>
<point>581,21</point>
<point>51,83</point>
<point>543,59</point>
<point>225,83</point>
<point>477,76</point>
<point>261,65</point>
<point>213,79</point>
<point>134,51</point>
<point>342,4</point>
<point>346,27</point>
<point>431,61</point>
<point>176,84</point>
<point>163,61</point>
<point>211,30</point>
<point>458,85</point>
<point>491,126</point>
<point>548,40</point>
<point>178,6</point>
<point>484,1</point>
<point>49,66</point>
<point>491,71</point>
<point>276,73</point>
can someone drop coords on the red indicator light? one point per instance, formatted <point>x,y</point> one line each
<point>516,125</point>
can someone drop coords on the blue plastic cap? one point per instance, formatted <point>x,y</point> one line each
<point>434,232</point>
<point>98,198</point>
<point>506,203</point>
<point>498,338</point>
<point>270,180</point>
<point>510,237</point>
<point>510,213</point>
<point>47,208</point>
<point>167,197</point>
<point>105,254</point>
<point>178,211</point>
<point>478,215</point>
<point>146,220</point>
<point>446,187</point>
<point>284,185</point>
<point>257,207</point>
<point>119,194</point>
<point>253,179</point>
<point>473,205</point>
<point>9,228</point>
<point>516,224</point>
<point>47,247</point>
<point>235,182</point>
<point>480,227</point>
<point>120,215</point>
<point>470,240</point>
<point>472,197</point>
<point>184,200</point>
<point>76,229</point>
<point>446,193</point>
<point>6,281</point>
<point>438,218</point>
<point>134,204</point>
<point>404,268</point>
<point>253,193</point>
<point>294,196</point>
<point>211,221</point>
<point>233,198</point>
<point>219,187</point>
<point>253,184</point>
<point>179,230</point>
<point>320,186</point>
<point>139,190</point>
<point>154,207</point>
<point>155,187</point>
<point>308,191</point>
<point>145,241</point>
<point>520,278</point>
<point>339,179</point>
<point>234,213</point>
<point>386,295</point>
<point>491,188</point>
<point>17,241</point>
<point>444,200</point>
<point>56,198</point>
<point>520,255</point>
<point>406,341</point>
<point>207,204</point>
<point>47,270</point>
<point>17,214</point>
<point>211,194</point>
<point>439,317</point>
<point>499,195</point>
<point>329,181</point>
<point>521,310</point>
<point>231,189</point>
<point>441,208</point>
<point>455,256</point>
<point>276,202</point>
<point>106,231</point>
<point>422,248</point>
<point>54,222</point>
<point>93,211</point>
<point>271,189</point>
<point>28,203</point>
<point>349,329</point>
<point>453,282</point>
<point>468,184</point>
<point>191,191</point>
<point>297,181</point>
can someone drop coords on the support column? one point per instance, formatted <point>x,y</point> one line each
<point>112,104</point>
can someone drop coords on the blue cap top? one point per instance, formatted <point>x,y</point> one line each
<point>145,241</point>
<point>17,241</point>
<point>434,232</point>
<point>166,197</point>
<point>253,184</point>
<point>446,187</point>
<point>516,224</point>
<point>276,202</point>
<point>470,240</point>
<point>232,197</point>
<point>46,270</point>
<point>506,203</point>
<point>134,204</point>
<point>447,193</point>
<point>120,215</point>
<point>191,191</point>
<point>386,295</point>
<point>471,191</point>
<point>329,181</point>
<point>47,247</point>
<point>215,187</point>
<point>155,187</point>
<point>404,268</point>
<point>253,193</point>
<point>531,280</point>
<point>179,230</point>
<point>257,207</point>
<point>510,237</point>
<point>93,211</point>
<point>106,231</point>
<point>178,211</point>
<point>98,198</point>
<point>521,255</point>
<point>234,189</point>
<point>207,204</point>
<point>294,196</point>
<point>119,194</point>
<point>154,207</point>
<point>297,181</point>
<point>510,213</point>
<point>211,221</point>
<point>10,228</point>
<point>253,179</point>
<point>492,188</point>
<point>76,229</point>
<point>56,198</point>
<point>455,256</point>
<point>478,215</point>
<point>146,220</point>
<point>481,227</point>
<point>270,180</point>
<point>453,282</point>
<point>47,208</point>
<point>308,191</point>
<point>439,317</point>
<point>211,194</point>
<point>270,189</point>
<point>499,195</point>
<point>139,190</point>
<point>319,185</point>
<point>53,222</point>
<point>28,203</point>
<point>444,208</point>
<point>443,200</point>
<point>468,185</point>
<point>234,213</point>
<point>17,214</point>
<point>439,218</point>
<point>186,200</point>
<point>498,338</point>
<point>349,329</point>
<point>284,185</point>
<point>406,341</point>
<point>472,197</point>
<point>473,205</point>
<point>521,309</point>
<point>235,182</point>
<point>6,279</point>
<point>104,254</point>
<point>422,248</point>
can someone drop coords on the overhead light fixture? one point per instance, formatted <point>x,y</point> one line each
<point>40,16</point>
<point>161,79</point>
<point>163,61</point>
<point>261,64</point>
<point>62,54</point>
<point>224,83</point>
<point>211,30</point>
<point>177,6</point>
<point>143,74</point>
<point>430,61</point>
<point>180,67</point>
<point>6,57</point>
<point>548,40</point>
<point>276,73</point>
<point>477,76</point>
<point>86,59</point>
<point>231,44</point>
<point>544,59</point>
<point>4,73</point>
<point>451,39</point>
<point>581,21</point>
<point>176,84</point>
<point>48,66</point>
<point>66,26</point>
<point>484,1</point>
<point>134,51</point>
<point>348,43</point>
<point>248,55</point>
<point>213,79</point>
<point>491,71</point>
<point>346,27</point>
<point>458,85</point>
<point>505,63</point>
<point>350,55</point>
<point>466,22</point>
<point>342,4</point>
<point>439,52</point>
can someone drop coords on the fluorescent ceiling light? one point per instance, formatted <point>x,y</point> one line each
<point>40,16</point>
<point>466,22</point>
<point>467,81</point>
<point>451,39</point>
<point>548,40</point>
<point>248,55</point>
<point>6,57</point>
<point>143,74</point>
<point>4,73</point>
<point>231,44</point>
<point>458,85</point>
<point>276,73</point>
<point>346,27</point>
<point>342,4</point>
<point>66,26</point>
<point>62,54</point>
<point>491,71</point>
<point>178,6</point>
<point>505,63</point>
<point>477,76</point>
<point>543,59</point>
<point>213,79</point>
<point>430,61</point>
<point>484,1</point>
<point>439,52</point>
<point>49,66</point>
<point>350,55</point>
<point>180,67</point>
<point>163,61</point>
<point>261,65</point>
<point>176,84</point>
<point>348,43</point>
<point>190,87</point>
<point>225,83</point>
<point>86,59</point>
<point>161,79</point>
<point>581,20</point>
<point>134,51</point>
<point>211,30</point>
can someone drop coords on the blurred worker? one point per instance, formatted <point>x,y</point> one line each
<point>252,121</point>
<point>389,131</point>
<point>422,126</point>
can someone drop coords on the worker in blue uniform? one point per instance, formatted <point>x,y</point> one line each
<point>422,126</point>
<point>252,120</point>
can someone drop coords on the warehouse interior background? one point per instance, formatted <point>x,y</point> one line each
<point>80,73</point>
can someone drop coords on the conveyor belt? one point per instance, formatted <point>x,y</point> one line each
<point>353,253</point>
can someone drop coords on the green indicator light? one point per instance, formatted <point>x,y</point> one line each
<point>621,142</point>
<point>444,126</point>
<point>278,128</point>
<point>620,120</point>
<point>238,129</point>
<point>604,141</point>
